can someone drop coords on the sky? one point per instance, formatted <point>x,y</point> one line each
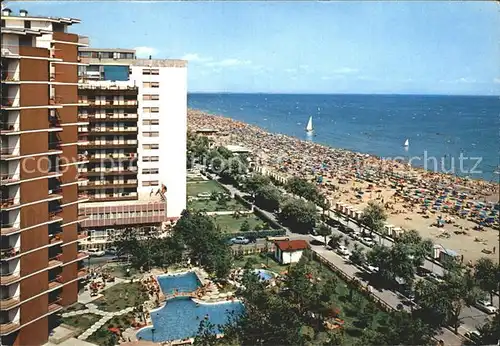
<point>404,47</point>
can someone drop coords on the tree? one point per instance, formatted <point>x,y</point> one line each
<point>487,275</point>
<point>490,332</point>
<point>335,240</point>
<point>380,256</point>
<point>298,215</point>
<point>324,231</point>
<point>268,197</point>
<point>255,182</point>
<point>207,334</point>
<point>374,217</point>
<point>415,246</point>
<point>303,188</point>
<point>357,256</point>
<point>245,226</point>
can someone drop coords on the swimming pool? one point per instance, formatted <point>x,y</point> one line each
<point>264,275</point>
<point>180,318</point>
<point>185,282</point>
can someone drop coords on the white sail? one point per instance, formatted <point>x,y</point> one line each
<point>407,142</point>
<point>309,126</point>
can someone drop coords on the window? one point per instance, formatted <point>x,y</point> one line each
<point>3,23</point>
<point>146,109</point>
<point>27,24</point>
<point>146,71</point>
<point>155,109</point>
<point>84,54</point>
<point>150,146</point>
<point>147,97</point>
<point>155,72</point>
<point>150,183</point>
<point>150,122</point>
<point>150,134</point>
<point>151,84</point>
<point>150,171</point>
<point>154,158</point>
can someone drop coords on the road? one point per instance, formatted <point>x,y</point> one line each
<point>471,317</point>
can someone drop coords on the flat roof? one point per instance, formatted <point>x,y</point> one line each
<point>23,31</point>
<point>142,198</point>
<point>160,62</point>
<point>237,149</point>
<point>62,20</point>
<point>107,50</point>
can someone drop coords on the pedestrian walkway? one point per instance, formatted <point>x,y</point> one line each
<point>92,309</point>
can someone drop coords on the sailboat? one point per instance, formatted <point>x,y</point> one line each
<point>309,127</point>
<point>407,143</point>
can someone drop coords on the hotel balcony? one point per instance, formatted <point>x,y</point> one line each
<point>7,179</point>
<point>109,172</point>
<point>109,117</point>
<point>130,104</point>
<point>14,153</point>
<point>11,203</point>
<point>113,197</point>
<point>55,281</point>
<point>93,90</point>
<point>8,253</point>
<point>131,143</point>
<point>99,184</point>
<point>117,157</point>
<point>10,272</point>
<point>54,305</point>
<point>111,131</point>
<point>8,327</point>
<point>9,303</point>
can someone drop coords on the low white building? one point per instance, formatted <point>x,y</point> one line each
<point>289,251</point>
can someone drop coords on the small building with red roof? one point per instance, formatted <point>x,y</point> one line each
<point>289,251</point>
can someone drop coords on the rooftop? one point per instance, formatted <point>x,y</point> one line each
<point>107,50</point>
<point>25,16</point>
<point>142,198</point>
<point>160,63</point>
<point>292,245</point>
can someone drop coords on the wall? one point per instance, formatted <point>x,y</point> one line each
<point>172,128</point>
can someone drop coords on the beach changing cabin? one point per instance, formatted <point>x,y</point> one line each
<point>289,251</point>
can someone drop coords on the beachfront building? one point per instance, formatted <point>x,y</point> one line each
<point>41,262</point>
<point>137,142</point>
<point>289,251</point>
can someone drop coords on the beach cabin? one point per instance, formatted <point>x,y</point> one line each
<point>442,254</point>
<point>289,251</point>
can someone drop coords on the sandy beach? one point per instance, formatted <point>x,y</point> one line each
<point>464,209</point>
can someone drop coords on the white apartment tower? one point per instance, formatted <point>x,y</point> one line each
<point>162,126</point>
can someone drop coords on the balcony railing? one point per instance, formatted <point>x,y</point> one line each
<point>55,239</point>
<point>8,327</point>
<point>8,127</point>
<point>7,202</point>
<point>55,305</point>
<point>6,278</point>
<point>9,302</point>
<point>10,77</point>
<point>8,253</point>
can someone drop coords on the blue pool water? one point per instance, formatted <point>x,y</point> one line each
<point>181,317</point>
<point>187,282</point>
<point>263,274</point>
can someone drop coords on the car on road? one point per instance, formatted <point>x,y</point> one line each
<point>96,252</point>
<point>372,269</point>
<point>368,241</point>
<point>344,251</point>
<point>473,335</point>
<point>240,240</point>
<point>486,306</point>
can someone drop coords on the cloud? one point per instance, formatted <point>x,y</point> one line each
<point>144,52</point>
<point>465,80</point>
<point>496,80</point>
<point>345,70</point>
<point>195,57</point>
<point>229,63</point>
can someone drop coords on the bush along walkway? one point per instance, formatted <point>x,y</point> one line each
<point>92,309</point>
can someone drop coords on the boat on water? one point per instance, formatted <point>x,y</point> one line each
<point>309,127</point>
<point>407,143</point>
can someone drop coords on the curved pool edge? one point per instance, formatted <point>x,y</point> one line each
<point>221,302</point>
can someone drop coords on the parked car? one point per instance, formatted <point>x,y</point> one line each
<point>368,241</point>
<point>486,306</point>
<point>96,252</point>
<point>372,269</point>
<point>343,250</point>
<point>239,240</point>
<point>474,335</point>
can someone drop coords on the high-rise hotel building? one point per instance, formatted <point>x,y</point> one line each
<point>136,141</point>
<point>41,265</point>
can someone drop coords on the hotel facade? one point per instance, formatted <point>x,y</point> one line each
<point>41,262</point>
<point>136,136</point>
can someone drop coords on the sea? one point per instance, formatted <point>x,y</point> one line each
<point>450,134</point>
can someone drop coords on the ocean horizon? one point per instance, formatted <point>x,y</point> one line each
<point>457,134</point>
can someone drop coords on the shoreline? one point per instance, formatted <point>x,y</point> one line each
<point>372,155</point>
<point>355,178</point>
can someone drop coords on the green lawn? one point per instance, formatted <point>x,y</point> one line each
<point>260,261</point>
<point>193,189</point>
<point>120,271</point>
<point>209,205</point>
<point>195,178</point>
<point>229,224</point>
<point>82,322</point>
<point>121,296</point>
